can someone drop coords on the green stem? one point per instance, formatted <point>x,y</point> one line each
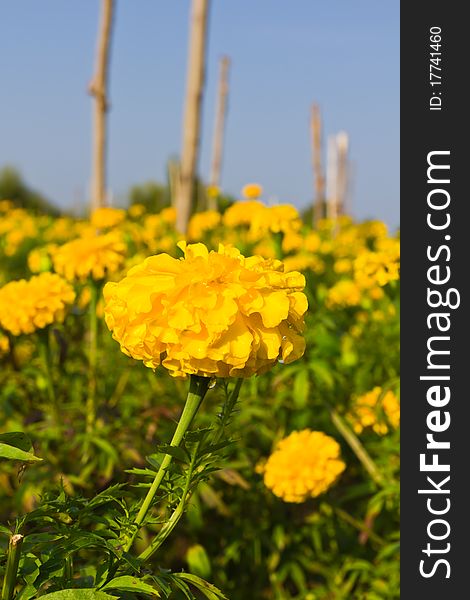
<point>231,400</point>
<point>227,410</point>
<point>356,447</point>
<point>14,553</point>
<point>45,353</point>
<point>173,520</point>
<point>362,527</point>
<point>92,356</point>
<point>197,390</point>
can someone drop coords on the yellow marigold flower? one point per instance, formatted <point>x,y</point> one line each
<point>370,410</point>
<point>39,259</point>
<point>342,265</point>
<point>344,293</point>
<point>90,256</point>
<point>376,293</point>
<point>303,465</point>
<point>168,215</point>
<point>251,191</point>
<point>312,242</point>
<point>212,191</point>
<point>6,205</point>
<point>281,218</point>
<point>29,305</point>
<point>241,213</point>
<point>209,313</point>
<point>4,344</point>
<point>375,268</point>
<point>136,210</point>
<point>292,241</point>
<point>302,262</point>
<point>202,222</point>
<point>107,217</point>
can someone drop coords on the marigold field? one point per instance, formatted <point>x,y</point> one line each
<point>281,481</point>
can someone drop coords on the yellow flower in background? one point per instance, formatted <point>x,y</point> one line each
<point>373,269</point>
<point>209,313</point>
<point>202,222</point>
<point>342,294</point>
<point>376,409</point>
<point>342,266</point>
<point>281,218</point>
<point>212,191</point>
<point>90,256</point>
<point>241,213</point>
<point>251,191</point>
<point>303,465</point>
<point>136,210</point>
<point>107,217</point>
<point>39,259</point>
<point>168,215</point>
<point>312,242</point>
<point>4,344</point>
<point>6,205</point>
<point>29,305</point>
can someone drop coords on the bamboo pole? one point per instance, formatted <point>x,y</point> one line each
<point>319,197</point>
<point>219,128</point>
<point>342,145</point>
<point>192,113</point>
<point>98,89</point>
<point>332,179</point>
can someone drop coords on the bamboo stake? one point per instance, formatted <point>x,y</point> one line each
<point>219,128</point>
<point>192,114</point>
<point>332,179</point>
<point>319,198</point>
<point>342,145</point>
<point>98,89</point>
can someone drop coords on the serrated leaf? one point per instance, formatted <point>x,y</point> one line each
<point>126,583</point>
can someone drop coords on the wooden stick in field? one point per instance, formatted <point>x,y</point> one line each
<point>98,89</point>
<point>219,128</point>
<point>342,145</point>
<point>192,114</point>
<point>319,199</point>
<point>332,179</point>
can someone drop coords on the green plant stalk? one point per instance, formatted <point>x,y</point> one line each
<point>14,553</point>
<point>45,353</point>
<point>356,447</point>
<point>227,410</point>
<point>166,530</point>
<point>92,359</point>
<point>362,527</point>
<point>198,387</point>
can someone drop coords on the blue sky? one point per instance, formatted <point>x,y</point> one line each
<point>285,55</point>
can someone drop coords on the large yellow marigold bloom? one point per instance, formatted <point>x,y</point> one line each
<point>107,217</point>
<point>303,465</point>
<point>29,305</point>
<point>90,256</point>
<point>251,191</point>
<point>209,313</point>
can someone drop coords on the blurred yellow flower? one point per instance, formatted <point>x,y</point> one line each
<point>212,191</point>
<point>136,210</point>
<point>303,465</point>
<point>251,191</point>
<point>4,344</point>
<point>39,259</point>
<point>281,218</point>
<point>90,256</point>
<point>202,222</point>
<point>374,409</point>
<point>209,313</point>
<point>29,305</point>
<point>107,217</point>
<point>344,293</point>
<point>241,213</point>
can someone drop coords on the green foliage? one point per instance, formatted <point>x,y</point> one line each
<point>12,187</point>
